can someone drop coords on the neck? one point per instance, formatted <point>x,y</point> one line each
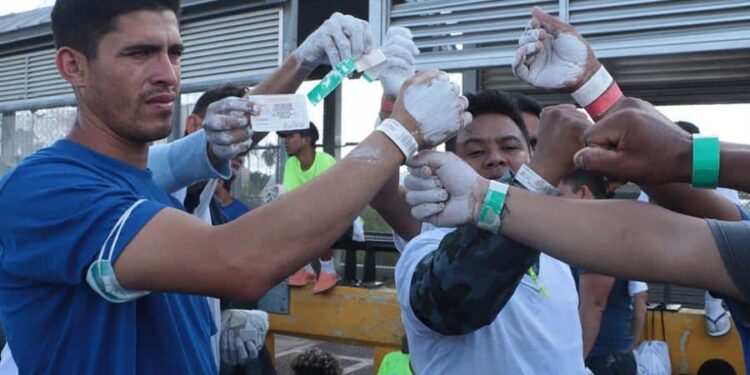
<point>89,131</point>
<point>306,158</point>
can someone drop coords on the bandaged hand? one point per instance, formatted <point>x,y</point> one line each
<point>400,52</point>
<point>637,143</point>
<point>431,108</point>
<point>443,190</point>
<point>273,191</point>
<point>339,38</point>
<point>553,55</point>
<point>243,333</point>
<point>227,126</point>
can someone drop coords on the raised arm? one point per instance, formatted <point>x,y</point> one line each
<point>553,55</point>
<point>184,162</point>
<point>642,242</point>
<point>390,202</point>
<point>257,250</point>
<point>465,282</point>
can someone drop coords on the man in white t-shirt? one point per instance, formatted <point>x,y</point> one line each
<point>476,303</point>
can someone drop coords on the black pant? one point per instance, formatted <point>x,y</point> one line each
<point>255,366</point>
<point>612,364</point>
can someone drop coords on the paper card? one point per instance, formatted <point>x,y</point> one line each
<point>279,113</point>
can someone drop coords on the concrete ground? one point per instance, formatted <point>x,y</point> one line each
<point>355,360</point>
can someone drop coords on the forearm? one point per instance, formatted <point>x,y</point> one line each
<point>687,200</point>
<point>284,80</point>
<point>639,316</point>
<point>246,257</point>
<point>184,162</point>
<point>735,162</point>
<point>642,242</point>
<point>297,225</point>
<point>391,204</point>
<point>386,110</point>
<point>492,264</point>
<point>591,320</point>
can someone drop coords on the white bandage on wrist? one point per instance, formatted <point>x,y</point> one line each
<point>593,88</point>
<point>534,183</point>
<point>400,136</point>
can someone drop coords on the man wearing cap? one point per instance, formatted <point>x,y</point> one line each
<point>304,165</point>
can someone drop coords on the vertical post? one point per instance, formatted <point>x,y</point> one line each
<point>8,145</point>
<point>564,11</point>
<point>378,14</point>
<point>370,266</point>
<point>332,123</point>
<point>470,80</point>
<point>289,27</point>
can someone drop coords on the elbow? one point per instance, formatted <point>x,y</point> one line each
<point>246,289</point>
<point>246,281</point>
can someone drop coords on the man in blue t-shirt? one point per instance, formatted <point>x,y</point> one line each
<point>605,304</point>
<point>101,272</point>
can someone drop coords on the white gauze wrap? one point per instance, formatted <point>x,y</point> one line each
<point>438,107</point>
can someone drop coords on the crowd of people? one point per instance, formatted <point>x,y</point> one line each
<point>115,254</point>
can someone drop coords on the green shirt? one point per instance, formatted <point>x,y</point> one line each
<point>295,177</point>
<point>395,363</point>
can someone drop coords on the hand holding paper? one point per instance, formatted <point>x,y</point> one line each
<point>227,125</point>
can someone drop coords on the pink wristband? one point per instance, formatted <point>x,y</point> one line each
<point>386,105</point>
<point>605,101</point>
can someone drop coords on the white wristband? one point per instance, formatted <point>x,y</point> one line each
<point>593,88</point>
<point>400,136</point>
<point>534,183</point>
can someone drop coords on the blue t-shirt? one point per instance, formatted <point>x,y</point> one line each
<point>235,210</point>
<point>57,208</point>
<point>615,334</point>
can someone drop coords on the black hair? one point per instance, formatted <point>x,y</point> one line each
<point>493,102</point>
<point>716,367</point>
<point>688,127</point>
<point>316,362</point>
<point>526,104</point>
<point>81,24</point>
<point>597,184</point>
<point>216,94</point>
<point>311,133</point>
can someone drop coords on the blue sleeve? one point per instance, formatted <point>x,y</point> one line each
<point>744,216</point>
<point>235,210</point>
<point>55,221</point>
<point>184,162</point>
<point>463,284</point>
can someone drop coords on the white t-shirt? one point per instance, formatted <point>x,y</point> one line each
<point>532,334</point>
<point>203,212</point>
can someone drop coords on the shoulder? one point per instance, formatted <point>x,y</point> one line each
<point>325,157</point>
<point>45,173</point>
<point>291,162</point>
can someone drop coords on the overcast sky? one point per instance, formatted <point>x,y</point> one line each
<point>729,122</point>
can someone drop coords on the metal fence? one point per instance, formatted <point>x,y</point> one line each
<point>32,130</point>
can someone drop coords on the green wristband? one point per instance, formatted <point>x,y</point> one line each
<point>331,80</point>
<point>705,161</point>
<point>489,214</point>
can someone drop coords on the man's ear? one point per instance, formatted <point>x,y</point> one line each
<point>193,123</point>
<point>72,66</point>
<point>585,193</point>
